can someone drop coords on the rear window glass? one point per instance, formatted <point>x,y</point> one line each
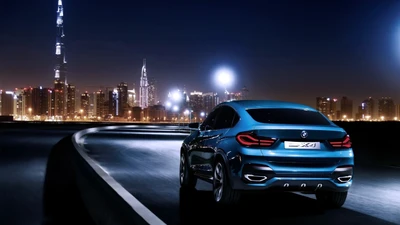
<point>288,116</point>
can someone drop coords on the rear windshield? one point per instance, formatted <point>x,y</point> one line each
<point>288,116</point>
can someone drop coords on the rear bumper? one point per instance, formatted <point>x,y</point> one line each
<point>329,173</point>
<point>293,184</point>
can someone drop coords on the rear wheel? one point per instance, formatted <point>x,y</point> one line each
<point>332,199</point>
<point>222,190</point>
<point>186,176</point>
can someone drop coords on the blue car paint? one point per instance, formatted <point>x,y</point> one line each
<point>236,155</point>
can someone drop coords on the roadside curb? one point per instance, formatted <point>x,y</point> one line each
<point>121,193</point>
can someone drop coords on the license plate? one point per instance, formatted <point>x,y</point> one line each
<point>302,145</point>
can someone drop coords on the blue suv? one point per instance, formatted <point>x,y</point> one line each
<point>255,145</point>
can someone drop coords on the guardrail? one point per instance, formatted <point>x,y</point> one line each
<point>106,200</point>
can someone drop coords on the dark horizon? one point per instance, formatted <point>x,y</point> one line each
<point>291,50</point>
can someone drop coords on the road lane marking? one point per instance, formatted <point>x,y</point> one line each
<point>396,167</point>
<point>392,166</point>
<point>136,205</point>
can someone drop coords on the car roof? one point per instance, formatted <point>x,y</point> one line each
<point>264,104</point>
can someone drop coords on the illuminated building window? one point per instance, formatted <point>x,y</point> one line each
<point>57,74</point>
<point>58,50</point>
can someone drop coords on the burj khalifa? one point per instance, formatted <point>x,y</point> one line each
<point>60,69</point>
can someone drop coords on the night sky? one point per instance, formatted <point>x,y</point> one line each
<point>288,50</point>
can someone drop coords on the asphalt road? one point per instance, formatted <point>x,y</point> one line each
<point>24,153</point>
<point>147,166</point>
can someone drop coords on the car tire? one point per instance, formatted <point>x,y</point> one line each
<point>222,191</point>
<point>186,176</point>
<point>331,199</point>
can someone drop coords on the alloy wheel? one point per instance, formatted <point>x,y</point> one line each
<point>218,181</point>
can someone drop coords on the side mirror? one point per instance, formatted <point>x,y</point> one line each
<point>194,125</point>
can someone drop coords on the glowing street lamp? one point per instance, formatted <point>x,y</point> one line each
<point>174,100</point>
<point>224,77</point>
<point>176,96</point>
<point>188,112</point>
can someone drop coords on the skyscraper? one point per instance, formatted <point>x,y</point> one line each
<point>113,102</point>
<point>366,110</point>
<point>85,104</point>
<point>346,108</point>
<point>40,101</point>
<point>7,103</point>
<point>152,91</point>
<point>144,88</point>
<point>131,98</point>
<point>210,100</point>
<point>70,100</point>
<point>123,106</point>
<point>60,69</point>
<point>327,106</point>
<point>196,102</point>
<point>100,100</point>
<point>386,108</point>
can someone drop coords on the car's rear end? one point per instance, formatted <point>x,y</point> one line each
<point>291,149</point>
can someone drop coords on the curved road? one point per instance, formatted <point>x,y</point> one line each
<point>24,153</point>
<point>147,165</point>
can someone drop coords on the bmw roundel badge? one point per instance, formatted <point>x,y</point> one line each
<point>303,134</point>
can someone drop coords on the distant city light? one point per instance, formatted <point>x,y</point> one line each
<point>224,77</point>
<point>186,112</point>
<point>175,108</point>
<point>176,96</point>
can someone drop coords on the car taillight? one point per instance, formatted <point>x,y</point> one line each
<point>249,139</point>
<point>345,143</point>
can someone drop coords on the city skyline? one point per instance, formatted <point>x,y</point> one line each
<point>106,59</point>
<point>120,99</point>
<point>135,90</point>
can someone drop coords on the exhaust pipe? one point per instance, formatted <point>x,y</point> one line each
<point>343,173</point>
<point>255,178</point>
<point>344,179</point>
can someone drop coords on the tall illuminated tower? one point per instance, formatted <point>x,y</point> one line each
<point>144,88</point>
<point>60,69</point>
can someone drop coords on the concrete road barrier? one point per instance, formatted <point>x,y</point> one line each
<point>106,200</point>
